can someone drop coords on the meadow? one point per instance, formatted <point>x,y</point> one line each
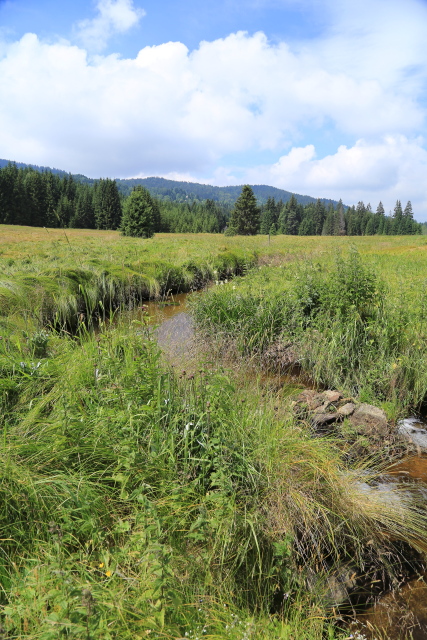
<point>144,500</point>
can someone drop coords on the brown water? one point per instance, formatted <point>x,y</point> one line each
<point>159,312</point>
<point>400,614</point>
<point>414,468</point>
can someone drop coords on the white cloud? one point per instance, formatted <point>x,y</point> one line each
<point>170,111</point>
<point>390,169</point>
<point>114,16</point>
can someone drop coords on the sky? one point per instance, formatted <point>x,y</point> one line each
<point>326,98</point>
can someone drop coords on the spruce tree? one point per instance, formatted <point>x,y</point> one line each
<point>319,215</point>
<point>339,221</point>
<point>267,216</point>
<point>293,216</point>
<point>370,228</point>
<point>245,217</point>
<point>282,219</point>
<point>84,216</point>
<point>408,219</point>
<point>64,211</point>
<point>397,218</point>
<point>35,194</point>
<point>52,196</point>
<point>107,203</point>
<point>139,214</point>
<point>328,225</point>
<point>8,208</point>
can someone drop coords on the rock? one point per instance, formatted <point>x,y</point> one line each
<point>323,408</point>
<point>333,589</point>
<point>332,396</point>
<point>331,406</point>
<point>344,401</point>
<point>311,398</point>
<point>319,419</point>
<point>339,585</point>
<point>315,402</point>
<point>369,420</point>
<point>347,409</point>
<point>413,431</point>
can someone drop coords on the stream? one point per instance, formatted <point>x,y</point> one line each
<point>398,614</point>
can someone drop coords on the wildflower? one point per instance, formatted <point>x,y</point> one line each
<point>101,564</point>
<point>108,574</point>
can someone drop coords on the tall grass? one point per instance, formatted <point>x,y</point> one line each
<point>77,285</point>
<point>140,502</point>
<point>350,327</point>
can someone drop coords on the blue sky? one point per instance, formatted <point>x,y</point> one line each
<point>318,97</point>
<point>188,21</point>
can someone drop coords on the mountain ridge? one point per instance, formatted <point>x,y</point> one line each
<point>182,191</point>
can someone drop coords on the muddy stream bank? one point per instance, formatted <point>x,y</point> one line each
<point>399,614</point>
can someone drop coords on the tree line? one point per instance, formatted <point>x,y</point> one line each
<point>44,199</point>
<point>292,218</point>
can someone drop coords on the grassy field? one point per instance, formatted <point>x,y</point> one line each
<point>142,501</point>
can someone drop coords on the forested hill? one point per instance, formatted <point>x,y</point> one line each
<point>41,198</point>
<point>22,165</point>
<point>178,191</point>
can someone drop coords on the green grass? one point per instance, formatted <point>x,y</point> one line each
<point>357,323</point>
<point>141,502</point>
<point>71,278</point>
<point>136,501</point>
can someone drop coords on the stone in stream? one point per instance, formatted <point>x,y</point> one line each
<point>333,589</point>
<point>369,420</point>
<point>320,418</point>
<point>332,396</point>
<point>347,409</point>
<point>330,406</point>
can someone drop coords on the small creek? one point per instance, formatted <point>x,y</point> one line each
<point>173,326</point>
<point>402,613</point>
<point>399,614</point>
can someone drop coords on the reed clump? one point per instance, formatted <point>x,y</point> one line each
<point>138,501</point>
<point>350,327</point>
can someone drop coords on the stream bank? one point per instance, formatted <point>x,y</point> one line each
<point>403,610</point>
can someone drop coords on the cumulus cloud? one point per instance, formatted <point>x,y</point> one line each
<point>114,16</point>
<point>171,111</point>
<point>390,169</point>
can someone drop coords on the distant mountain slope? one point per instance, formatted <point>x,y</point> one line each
<point>22,165</point>
<point>176,190</point>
